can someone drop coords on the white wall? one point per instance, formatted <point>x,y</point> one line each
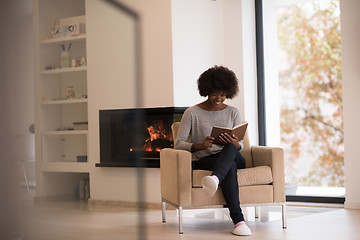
<point>350,35</point>
<point>198,44</point>
<point>111,84</point>
<point>248,74</point>
<point>233,46</point>
<point>208,33</point>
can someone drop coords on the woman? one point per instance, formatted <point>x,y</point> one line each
<point>217,84</point>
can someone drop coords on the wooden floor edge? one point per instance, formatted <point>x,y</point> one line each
<point>95,203</point>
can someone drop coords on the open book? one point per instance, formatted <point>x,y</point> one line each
<point>238,131</point>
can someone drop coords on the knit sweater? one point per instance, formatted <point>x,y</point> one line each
<point>199,122</point>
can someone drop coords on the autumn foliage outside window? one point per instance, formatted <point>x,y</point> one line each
<point>311,93</point>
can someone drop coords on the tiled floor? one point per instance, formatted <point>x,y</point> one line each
<point>73,220</point>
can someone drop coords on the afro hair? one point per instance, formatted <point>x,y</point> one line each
<point>218,79</point>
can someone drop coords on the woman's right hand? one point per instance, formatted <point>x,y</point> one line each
<point>202,146</point>
<point>208,141</point>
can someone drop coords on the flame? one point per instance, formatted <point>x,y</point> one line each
<point>156,131</point>
<point>154,134</point>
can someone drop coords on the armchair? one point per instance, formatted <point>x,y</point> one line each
<point>261,183</point>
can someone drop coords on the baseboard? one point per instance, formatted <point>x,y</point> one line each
<point>352,205</point>
<point>53,198</point>
<point>95,203</point>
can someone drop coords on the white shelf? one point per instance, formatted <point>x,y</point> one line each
<point>70,132</point>
<point>64,70</point>
<point>71,167</point>
<point>57,151</point>
<point>63,40</point>
<point>69,101</point>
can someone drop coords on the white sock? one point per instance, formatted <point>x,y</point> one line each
<point>216,179</point>
<point>210,185</point>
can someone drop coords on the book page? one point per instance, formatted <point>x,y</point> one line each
<point>239,131</point>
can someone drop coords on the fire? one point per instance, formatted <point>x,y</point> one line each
<point>156,132</point>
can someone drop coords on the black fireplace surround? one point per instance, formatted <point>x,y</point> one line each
<point>134,137</point>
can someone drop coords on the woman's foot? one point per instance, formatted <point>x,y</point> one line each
<point>241,229</point>
<point>210,184</point>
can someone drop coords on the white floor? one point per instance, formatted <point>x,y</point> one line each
<point>73,220</point>
<point>319,191</point>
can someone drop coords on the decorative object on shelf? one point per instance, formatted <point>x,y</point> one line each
<point>81,158</point>
<point>73,26</point>
<point>73,62</point>
<point>65,129</point>
<point>87,188</point>
<point>56,30</point>
<point>76,62</point>
<point>65,56</point>
<point>70,93</point>
<point>82,62</point>
<point>52,67</point>
<point>80,125</point>
<point>59,99</point>
<point>76,29</point>
<point>82,190</point>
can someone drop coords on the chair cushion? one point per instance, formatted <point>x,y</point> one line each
<point>246,177</point>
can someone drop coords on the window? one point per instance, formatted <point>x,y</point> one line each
<point>306,92</point>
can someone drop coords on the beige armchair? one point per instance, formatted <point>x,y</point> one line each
<point>261,183</point>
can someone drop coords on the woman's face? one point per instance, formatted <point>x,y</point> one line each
<point>217,98</point>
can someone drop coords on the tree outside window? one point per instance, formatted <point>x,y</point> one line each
<point>311,93</point>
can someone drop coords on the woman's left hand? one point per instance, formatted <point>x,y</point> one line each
<point>226,138</point>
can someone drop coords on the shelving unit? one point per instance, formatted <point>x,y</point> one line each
<point>61,133</point>
<point>64,39</point>
<point>58,149</point>
<point>64,70</point>
<point>70,101</point>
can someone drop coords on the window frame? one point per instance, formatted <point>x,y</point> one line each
<point>260,70</point>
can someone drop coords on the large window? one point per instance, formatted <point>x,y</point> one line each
<point>310,96</point>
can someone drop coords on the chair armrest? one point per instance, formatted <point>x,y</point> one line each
<point>175,176</point>
<point>274,158</point>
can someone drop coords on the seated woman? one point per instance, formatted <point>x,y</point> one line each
<point>217,84</point>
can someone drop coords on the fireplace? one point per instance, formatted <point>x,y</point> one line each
<point>134,137</point>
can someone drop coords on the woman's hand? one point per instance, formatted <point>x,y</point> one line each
<point>208,141</point>
<point>226,138</point>
<point>202,146</point>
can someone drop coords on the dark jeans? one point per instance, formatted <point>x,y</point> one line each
<point>224,165</point>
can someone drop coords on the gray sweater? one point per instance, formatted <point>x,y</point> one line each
<point>199,122</point>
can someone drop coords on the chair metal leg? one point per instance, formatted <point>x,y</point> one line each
<point>181,220</point>
<point>257,212</point>
<point>163,211</point>
<point>284,224</point>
